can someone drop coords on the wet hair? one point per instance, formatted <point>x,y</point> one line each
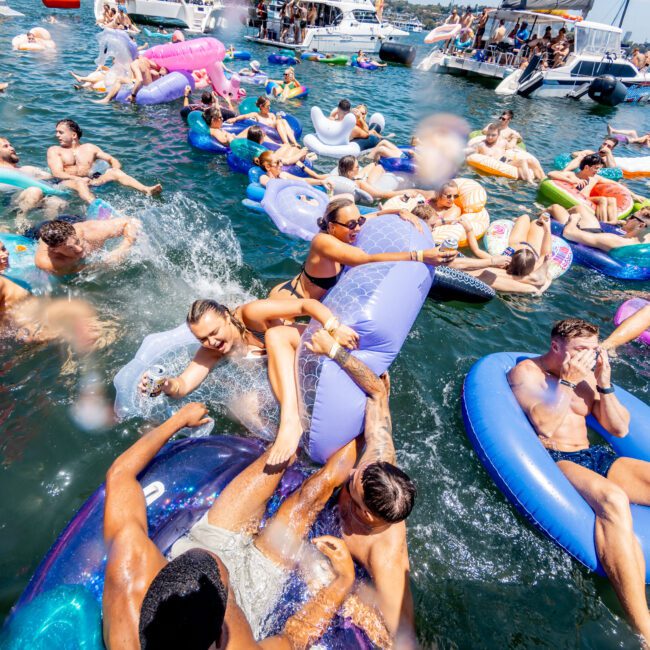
<point>522,263</point>
<point>508,113</point>
<point>346,165</point>
<point>54,233</point>
<point>73,126</point>
<point>206,98</point>
<point>345,106</point>
<point>590,160</point>
<point>209,114</point>
<point>266,157</point>
<point>255,134</point>
<point>332,211</point>
<point>611,140</point>
<point>202,306</point>
<point>424,211</point>
<point>573,328</point>
<point>185,604</point>
<point>388,492</point>
<point>261,101</point>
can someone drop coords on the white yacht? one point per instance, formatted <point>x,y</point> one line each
<point>411,24</point>
<point>597,52</point>
<point>340,26</point>
<point>198,16</point>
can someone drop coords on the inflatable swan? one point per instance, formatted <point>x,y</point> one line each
<point>332,138</point>
<point>207,53</point>
<point>115,44</point>
<point>41,40</point>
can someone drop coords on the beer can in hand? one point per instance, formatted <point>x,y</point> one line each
<point>155,377</point>
<point>449,245</point>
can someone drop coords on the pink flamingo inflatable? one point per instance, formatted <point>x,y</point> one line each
<point>207,53</point>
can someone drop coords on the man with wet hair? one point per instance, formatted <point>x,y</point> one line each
<point>64,246</point>
<point>557,391</point>
<point>217,590</point>
<point>341,110</point>
<point>374,501</point>
<point>73,161</point>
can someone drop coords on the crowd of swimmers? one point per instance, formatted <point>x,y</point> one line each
<point>221,581</point>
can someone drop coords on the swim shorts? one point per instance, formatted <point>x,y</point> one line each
<point>256,581</point>
<point>598,458</point>
<point>367,143</point>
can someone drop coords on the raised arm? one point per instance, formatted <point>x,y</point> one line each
<point>378,428</point>
<point>125,502</point>
<point>607,409</point>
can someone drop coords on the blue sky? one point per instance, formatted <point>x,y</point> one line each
<point>637,19</point>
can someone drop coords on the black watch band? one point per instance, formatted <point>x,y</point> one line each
<point>605,391</point>
<point>564,382</point>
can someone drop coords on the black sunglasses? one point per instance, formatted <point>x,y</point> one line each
<point>352,224</point>
<point>451,196</point>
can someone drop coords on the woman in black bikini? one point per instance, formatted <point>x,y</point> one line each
<point>333,248</point>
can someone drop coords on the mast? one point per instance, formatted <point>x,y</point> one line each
<point>626,3</point>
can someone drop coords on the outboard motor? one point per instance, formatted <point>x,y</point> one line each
<point>397,53</point>
<point>607,90</point>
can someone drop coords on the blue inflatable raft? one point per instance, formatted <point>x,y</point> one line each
<point>61,607</point>
<point>523,470</point>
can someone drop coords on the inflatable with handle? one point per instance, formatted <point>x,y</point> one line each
<point>523,470</point>
<point>162,90</point>
<point>332,138</point>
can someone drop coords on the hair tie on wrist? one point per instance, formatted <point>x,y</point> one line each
<point>333,350</point>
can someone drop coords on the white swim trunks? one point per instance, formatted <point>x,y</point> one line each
<point>256,581</point>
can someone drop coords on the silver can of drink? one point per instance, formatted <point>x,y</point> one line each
<point>449,245</point>
<point>155,377</point>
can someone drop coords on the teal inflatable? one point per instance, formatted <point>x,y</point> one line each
<point>22,269</point>
<point>22,181</point>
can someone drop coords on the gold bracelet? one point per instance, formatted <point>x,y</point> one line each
<point>413,255</point>
<point>332,324</point>
<point>420,256</point>
<point>333,350</point>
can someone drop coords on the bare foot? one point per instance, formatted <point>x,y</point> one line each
<point>76,76</point>
<point>100,101</point>
<point>154,189</point>
<point>609,129</point>
<point>286,443</point>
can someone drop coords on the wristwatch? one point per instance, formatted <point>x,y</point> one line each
<point>564,382</point>
<point>605,391</point>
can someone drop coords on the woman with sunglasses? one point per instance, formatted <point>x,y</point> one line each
<point>266,117</point>
<point>333,248</point>
<point>444,206</point>
<point>368,138</point>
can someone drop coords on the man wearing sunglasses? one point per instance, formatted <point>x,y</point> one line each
<point>512,137</point>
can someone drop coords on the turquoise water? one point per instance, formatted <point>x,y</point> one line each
<point>481,576</point>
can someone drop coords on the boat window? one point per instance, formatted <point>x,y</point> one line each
<point>596,41</point>
<point>597,68</point>
<point>365,16</point>
<point>328,15</point>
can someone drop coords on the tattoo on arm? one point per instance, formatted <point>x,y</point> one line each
<point>378,428</point>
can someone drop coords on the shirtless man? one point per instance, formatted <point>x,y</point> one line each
<point>64,246</point>
<point>29,319</point>
<point>72,161</point>
<point>512,137</point>
<point>496,147</point>
<point>557,391</point>
<point>605,153</point>
<point>202,598</point>
<point>373,504</point>
<point>32,197</point>
<point>606,208</point>
<point>341,110</point>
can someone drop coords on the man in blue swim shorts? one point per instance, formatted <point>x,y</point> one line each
<point>557,391</point>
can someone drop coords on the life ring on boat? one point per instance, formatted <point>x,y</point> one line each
<point>629,308</point>
<point>496,242</point>
<point>522,468</point>
<point>442,33</point>
<point>557,191</point>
